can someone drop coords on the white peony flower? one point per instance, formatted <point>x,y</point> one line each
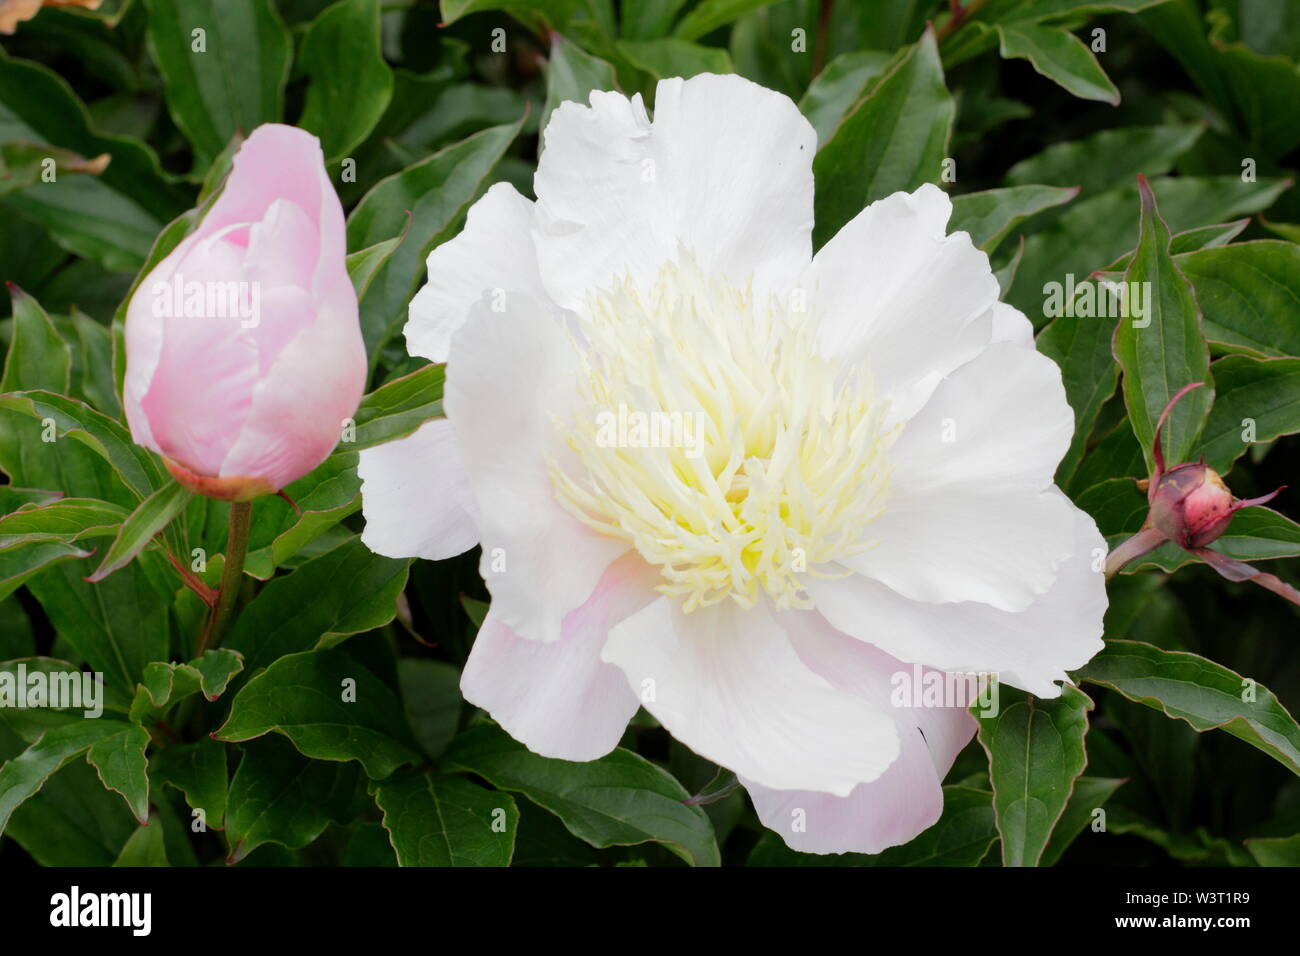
<point>737,483</point>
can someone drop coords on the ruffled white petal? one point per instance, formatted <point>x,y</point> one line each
<point>1031,649</point>
<point>728,684</point>
<point>492,255</point>
<point>1012,325</point>
<point>560,699</point>
<point>724,172</point>
<point>416,497</point>
<point>908,797</point>
<point>968,518</point>
<point>513,371</point>
<point>891,289</point>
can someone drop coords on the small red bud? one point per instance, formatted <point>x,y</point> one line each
<point>1191,505</point>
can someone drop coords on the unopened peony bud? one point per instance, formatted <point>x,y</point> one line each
<point>1191,505</point>
<point>244,352</point>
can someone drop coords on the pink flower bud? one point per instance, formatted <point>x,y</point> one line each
<point>1191,505</point>
<point>243,347</point>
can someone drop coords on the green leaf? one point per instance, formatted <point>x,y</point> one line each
<point>92,363</point>
<point>25,774</point>
<point>708,15</point>
<point>441,820</point>
<point>136,468</point>
<point>1190,240</point>
<point>572,74</point>
<point>1034,10</point>
<point>154,514</point>
<point>235,82</point>
<point>619,800</point>
<point>121,764</point>
<point>436,191</point>
<point>431,692</point>
<point>27,164</point>
<point>990,215</point>
<point>73,821</point>
<point>198,770</point>
<point>1116,505</point>
<point>1206,695</point>
<point>308,698</point>
<point>1256,400</point>
<point>20,562</point>
<point>1165,350</point>
<point>835,90</point>
<point>111,218</point>
<point>1116,455</point>
<point>63,519</point>
<point>962,836</point>
<point>398,407</point>
<point>278,796</point>
<point>37,357</point>
<point>1250,295</point>
<point>1061,57</point>
<point>1082,348</point>
<point>145,846</point>
<point>1275,851</point>
<point>117,626</point>
<point>1090,794</point>
<point>1287,230</point>
<point>672,56</point>
<point>1093,232</point>
<point>345,591</point>
<point>363,264</point>
<point>894,139</point>
<point>350,84</point>
<point>164,682</point>
<point>65,684</point>
<point>324,496</point>
<point>1260,95</point>
<point>1036,754</point>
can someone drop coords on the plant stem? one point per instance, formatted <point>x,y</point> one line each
<point>231,576</point>
<point>960,14</point>
<point>819,41</point>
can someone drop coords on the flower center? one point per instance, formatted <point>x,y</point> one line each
<point>715,441</point>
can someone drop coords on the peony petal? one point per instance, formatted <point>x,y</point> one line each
<point>514,370</point>
<point>1012,325</point>
<point>967,519</point>
<point>724,172</point>
<point>891,289</point>
<point>493,252</point>
<point>560,699</point>
<point>1002,419</point>
<point>193,418</point>
<point>727,683</point>
<point>908,797</point>
<point>299,408</point>
<point>416,497</point>
<point>280,162</point>
<point>999,547</point>
<point>1031,649</point>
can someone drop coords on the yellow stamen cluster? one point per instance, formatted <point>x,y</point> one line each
<point>750,459</point>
